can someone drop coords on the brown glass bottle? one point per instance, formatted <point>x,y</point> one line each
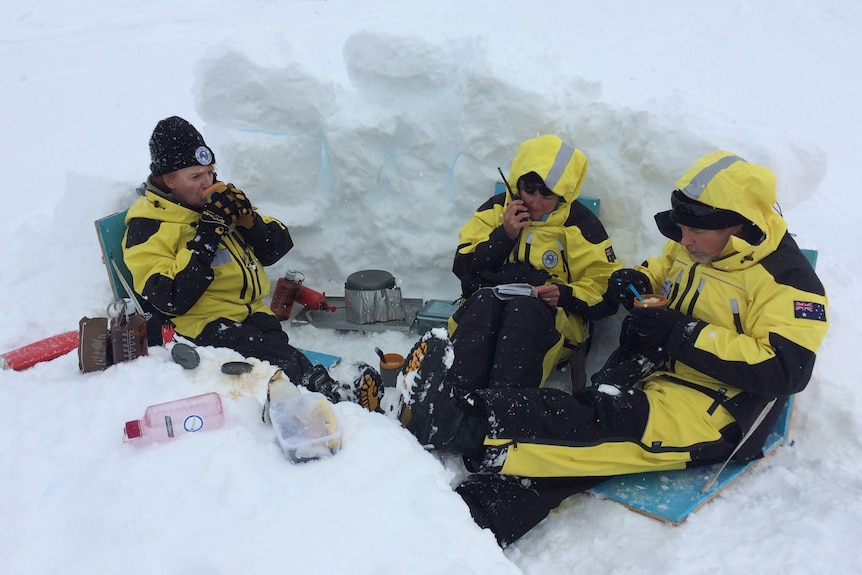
<point>128,331</point>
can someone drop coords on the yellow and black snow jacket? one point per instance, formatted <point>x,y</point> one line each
<point>571,245</point>
<point>759,310</point>
<point>189,287</point>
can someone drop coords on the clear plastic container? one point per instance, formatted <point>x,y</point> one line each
<point>173,419</point>
<point>306,427</point>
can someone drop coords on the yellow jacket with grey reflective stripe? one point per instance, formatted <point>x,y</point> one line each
<point>571,244</point>
<point>755,331</point>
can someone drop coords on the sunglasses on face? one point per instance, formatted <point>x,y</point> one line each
<point>533,188</point>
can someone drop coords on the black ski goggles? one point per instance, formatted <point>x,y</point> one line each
<point>685,206</point>
<point>694,214</point>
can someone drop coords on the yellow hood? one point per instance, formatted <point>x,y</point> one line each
<point>561,166</point>
<point>726,181</point>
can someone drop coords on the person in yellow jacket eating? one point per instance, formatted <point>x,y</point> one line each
<point>196,249</point>
<point>745,317</point>
<point>535,234</point>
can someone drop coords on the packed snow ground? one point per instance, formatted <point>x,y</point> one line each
<point>373,130</point>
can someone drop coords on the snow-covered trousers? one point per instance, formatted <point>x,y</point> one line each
<point>543,445</point>
<point>259,336</point>
<point>501,343</point>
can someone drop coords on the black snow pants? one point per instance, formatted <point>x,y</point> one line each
<point>501,343</point>
<point>259,336</point>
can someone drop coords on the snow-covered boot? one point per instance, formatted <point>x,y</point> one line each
<point>368,387</point>
<point>429,408</point>
<point>365,389</point>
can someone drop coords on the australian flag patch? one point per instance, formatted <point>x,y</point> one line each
<point>809,310</point>
<point>609,253</point>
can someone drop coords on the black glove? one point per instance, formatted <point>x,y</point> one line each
<point>654,325</point>
<point>631,361</point>
<point>227,205</point>
<point>624,371</point>
<point>206,242</point>
<point>619,282</point>
<point>246,218</point>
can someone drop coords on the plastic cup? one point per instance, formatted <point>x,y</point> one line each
<point>650,300</point>
<point>390,367</point>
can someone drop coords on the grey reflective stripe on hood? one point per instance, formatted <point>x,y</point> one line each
<point>564,156</point>
<point>698,184</point>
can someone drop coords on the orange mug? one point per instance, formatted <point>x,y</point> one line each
<point>650,300</point>
<point>390,368</point>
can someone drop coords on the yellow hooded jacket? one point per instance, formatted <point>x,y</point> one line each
<point>179,283</point>
<point>760,307</point>
<point>571,245</point>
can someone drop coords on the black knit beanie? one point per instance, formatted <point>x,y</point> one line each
<point>176,144</point>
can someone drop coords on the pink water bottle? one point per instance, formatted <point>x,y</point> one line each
<point>173,419</point>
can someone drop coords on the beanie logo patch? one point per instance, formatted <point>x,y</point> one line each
<point>204,156</point>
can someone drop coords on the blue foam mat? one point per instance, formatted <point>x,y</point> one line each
<point>317,357</point>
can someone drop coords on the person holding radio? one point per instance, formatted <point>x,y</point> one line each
<point>196,248</point>
<point>536,234</point>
